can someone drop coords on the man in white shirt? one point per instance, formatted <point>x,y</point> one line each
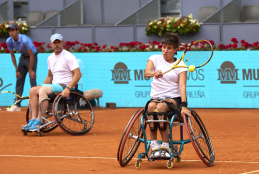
<point>62,69</point>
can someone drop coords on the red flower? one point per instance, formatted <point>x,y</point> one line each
<point>155,42</point>
<point>221,46</point>
<point>242,41</point>
<point>3,45</point>
<point>255,44</point>
<point>212,42</point>
<point>227,46</point>
<point>234,40</point>
<point>48,45</point>
<point>181,48</point>
<point>234,46</point>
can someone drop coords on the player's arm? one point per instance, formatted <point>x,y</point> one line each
<point>13,59</point>
<point>14,63</point>
<point>182,88</point>
<point>149,69</point>
<point>182,85</point>
<point>49,78</point>
<point>31,72</point>
<point>76,77</point>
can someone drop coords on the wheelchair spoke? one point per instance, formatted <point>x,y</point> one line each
<point>79,117</point>
<point>130,142</point>
<point>200,138</point>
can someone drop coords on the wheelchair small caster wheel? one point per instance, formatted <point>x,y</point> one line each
<point>169,164</point>
<point>178,159</point>
<point>138,164</point>
<point>40,133</point>
<point>25,133</point>
<point>84,128</point>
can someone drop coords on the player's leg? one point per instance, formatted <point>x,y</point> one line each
<point>163,108</point>
<point>33,81</point>
<point>44,91</point>
<point>21,80</point>
<point>19,84</point>
<point>155,146</point>
<point>34,93</point>
<point>164,129</point>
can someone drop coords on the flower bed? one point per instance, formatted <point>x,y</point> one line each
<point>134,46</point>
<point>22,27</point>
<point>182,26</point>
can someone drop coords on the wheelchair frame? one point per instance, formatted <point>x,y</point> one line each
<point>206,154</point>
<point>57,121</point>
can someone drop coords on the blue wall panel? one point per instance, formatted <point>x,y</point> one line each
<point>225,82</point>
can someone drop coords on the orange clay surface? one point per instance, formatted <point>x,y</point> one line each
<point>234,133</point>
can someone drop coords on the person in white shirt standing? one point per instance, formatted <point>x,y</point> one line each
<point>63,70</point>
<point>170,87</point>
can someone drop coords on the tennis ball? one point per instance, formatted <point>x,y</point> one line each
<point>191,68</point>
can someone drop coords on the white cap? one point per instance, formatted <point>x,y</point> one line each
<point>56,36</point>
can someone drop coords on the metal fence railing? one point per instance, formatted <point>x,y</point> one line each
<point>4,11</point>
<point>149,12</point>
<point>72,15</point>
<point>229,13</point>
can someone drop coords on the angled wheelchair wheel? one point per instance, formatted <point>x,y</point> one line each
<point>200,138</point>
<point>130,139</point>
<point>47,118</point>
<point>74,115</point>
<point>123,135</point>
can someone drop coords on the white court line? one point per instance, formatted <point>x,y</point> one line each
<point>32,156</point>
<point>250,172</point>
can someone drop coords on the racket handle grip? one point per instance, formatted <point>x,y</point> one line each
<point>166,71</point>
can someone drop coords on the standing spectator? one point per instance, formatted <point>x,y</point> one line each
<point>27,61</point>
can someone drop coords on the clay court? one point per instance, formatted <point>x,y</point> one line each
<point>233,133</point>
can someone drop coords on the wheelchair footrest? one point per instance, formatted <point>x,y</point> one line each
<point>141,155</point>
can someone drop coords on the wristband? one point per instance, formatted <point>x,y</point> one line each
<point>68,88</point>
<point>184,104</point>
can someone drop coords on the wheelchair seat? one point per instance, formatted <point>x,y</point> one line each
<point>175,111</point>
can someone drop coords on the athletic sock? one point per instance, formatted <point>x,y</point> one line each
<point>154,144</point>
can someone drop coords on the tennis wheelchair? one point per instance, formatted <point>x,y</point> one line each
<point>135,133</point>
<point>74,114</point>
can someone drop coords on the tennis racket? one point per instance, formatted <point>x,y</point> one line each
<point>196,55</point>
<point>9,98</point>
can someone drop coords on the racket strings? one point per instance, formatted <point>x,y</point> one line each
<point>198,55</point>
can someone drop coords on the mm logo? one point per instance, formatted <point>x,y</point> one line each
<point>120,74</point>
<point>228,73</point>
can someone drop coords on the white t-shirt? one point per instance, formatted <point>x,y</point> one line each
<point>168,85</point>
<point>61,66</point>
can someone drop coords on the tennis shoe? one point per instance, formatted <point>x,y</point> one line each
<point>155,151</point>
<point>35,125</point>
<point>14,109</point>
<point>25,127</point>
<point>155,154</point>
<point>165,152</point>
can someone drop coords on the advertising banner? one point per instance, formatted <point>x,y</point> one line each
<point>229,80</point>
